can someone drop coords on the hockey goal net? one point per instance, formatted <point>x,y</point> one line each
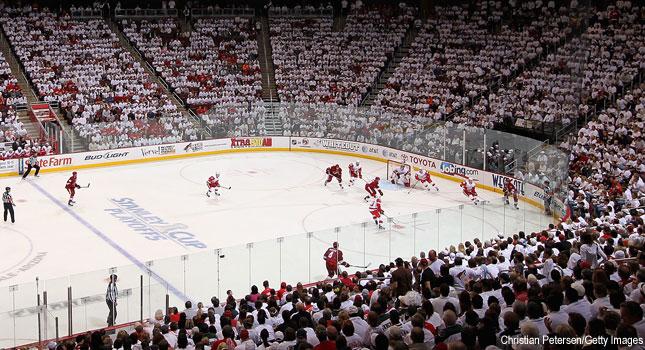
<point>393,165</point>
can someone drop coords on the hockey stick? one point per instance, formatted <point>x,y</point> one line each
<point>412,187</point>
<point>360,267</point>
<point>391,219</point>
<point>88,186</point>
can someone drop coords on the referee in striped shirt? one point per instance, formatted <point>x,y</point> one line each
<point>8,203</point>
<point>110,299</point>
<point>32,162</point>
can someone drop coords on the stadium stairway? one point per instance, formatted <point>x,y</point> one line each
<point>272,121</point>
<point>390,66</point>
<point>265,57</point>
<point>339,22</point>
<point>33,130</point>
<point>176,100</point>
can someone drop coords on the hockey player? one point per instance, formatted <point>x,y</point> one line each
<point>402,173</point>
<point>376,211</point>
<point>333,256</point>
<point>468,187</point>
<point>334,171</point>
<point>213,185</point>
<point>372,188</point>
<point>355,172</point>
<point>71,187</point>
<point>423,177</point>
<point>510,190</point>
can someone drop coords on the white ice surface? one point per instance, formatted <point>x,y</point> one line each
<point>276,194</point>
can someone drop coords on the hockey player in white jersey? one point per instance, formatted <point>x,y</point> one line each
<point>423,177</point>
<point>469,191</point>
<point>401,175</point>
<point>376,211</point>
<point>355,172</point>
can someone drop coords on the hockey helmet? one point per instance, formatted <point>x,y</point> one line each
<point>217,175</point>
<point>377,178</point>
<point>357,163</point>
<point>8,189</point>
<point>73,173</point>
<point>335,244</point>
<point>211,178</point>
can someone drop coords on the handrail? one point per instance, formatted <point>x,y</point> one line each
<point>35,120</point>
<point>86,12</point>
<point>123,13</point>
<point>301,12</point>
<point>226,11</point>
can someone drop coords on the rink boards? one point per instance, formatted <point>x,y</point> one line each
<point>529,193</point>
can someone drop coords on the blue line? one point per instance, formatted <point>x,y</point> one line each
<point>109,241</point>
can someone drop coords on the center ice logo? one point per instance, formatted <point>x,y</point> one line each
<point>150,226</point>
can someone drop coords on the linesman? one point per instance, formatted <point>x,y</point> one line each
<point>32,162</point>
<point>8,203</point>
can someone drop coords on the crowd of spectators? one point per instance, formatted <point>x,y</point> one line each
<point>569,82</point>
<point>606,169</point>
<point>10,127</point>
<point>315,63</point>
<point>577,282</point>
<point>461,50</point>
<point>582,278</point>
<point>214,64</point>
<point>105,93</point>
<point>24,147</point>
<point>236,120</point>
<point>10,92</point>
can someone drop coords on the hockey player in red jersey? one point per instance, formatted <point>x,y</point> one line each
<point>376,211</point>
<point>355,172</point>
<point>510,190</point>
<point>423,177</point>
<point>71,187</point>
<point>468,187</point>
<point>213,184</point>
<point>333,256</point>
<point>372,188</point>
<point>334,171</point>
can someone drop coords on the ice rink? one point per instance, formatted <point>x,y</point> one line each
<point>158,211</point>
